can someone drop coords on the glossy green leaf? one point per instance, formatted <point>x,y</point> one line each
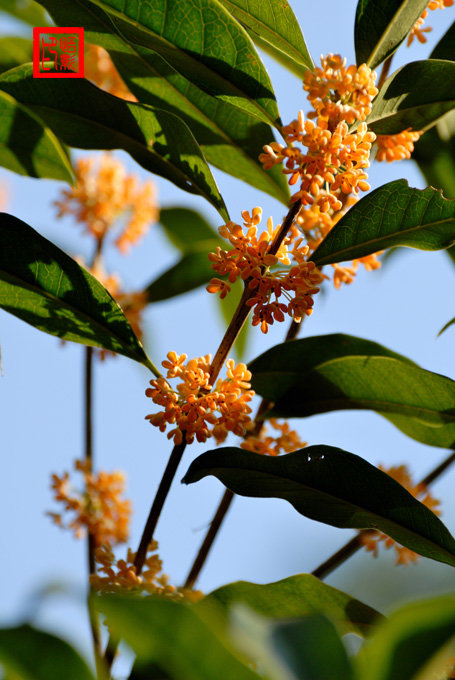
<point>447,325</point>
<point>84,116</point>
<point>174,636</point>
<point>272,24</point>
<point>30,654</point>
<point>380,27</point>
<point>337,372</point>
<point>415,96</point>
<point>408,640</point>
<point>203,42</point>
<point>43,286</point>
<point>28,11</point>
<point>392,215</point>
<point>295,597</point>
<point>14,51</point>
<point>445,49</point>
<point>231,139</point>
<point>28,146</point>
<point>332,486</point>
<point>311,649</point>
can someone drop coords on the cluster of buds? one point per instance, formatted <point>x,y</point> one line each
<point>276,291</point>
<point>371,539</point>
<point>98,509</point>
<point>196,407</point>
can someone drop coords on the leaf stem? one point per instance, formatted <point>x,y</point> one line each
<point>385,71</point>
<point>352,546</point>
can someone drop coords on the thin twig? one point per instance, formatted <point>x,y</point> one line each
<point>385,71</point>
<point>352,546</point>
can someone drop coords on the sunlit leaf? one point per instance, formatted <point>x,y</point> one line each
<point>408,640</point>
<point>338,372</point>
<point>27,11</point>
<point>392,215</point>
<point>28,146</point>
<point>83,116</point>
<point>201,40</point>
<point>30,654</point>
<point>272,24</point>
<point>294,597</point>
<point>415,96</point>
<point>332,486</point>
<point>231,139</point>
<point>380,27</point>
<point>43,286</point>
<point>173,636</point>
<point>14,51</point>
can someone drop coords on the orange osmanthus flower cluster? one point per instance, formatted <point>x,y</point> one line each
<point>196,407</point>
<point>286,442</point>
<point>105,194</point>
<point>396,147</point>
<point>250,260</point>
<point>99,69</point>
<point>417,30</point>
<point>420,491</point>
<point>116,575</point>
<point>98,509</point>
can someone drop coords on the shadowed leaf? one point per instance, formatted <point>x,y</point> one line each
<point>14,51</point>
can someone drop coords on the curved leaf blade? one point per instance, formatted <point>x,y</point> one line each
<point>27,11</point>
<point>337,372</point>
<point>273,22</point>
<point>445,49</point>
<point>231,139</point>
<point>381,27</point>
<point>83,116</point>
<point>408,640</point>
<point>43,286</point>
<point>201,40</point>
<point>28,146</point>
<point>191,271</point>
<point>173,636</point>
<point>415,96</point>
<point>187,229</point>
<point>14,50</point>
<point>331,486</point>
<point>392,215</point>
<point>26,652</point>
<point>295,597</point>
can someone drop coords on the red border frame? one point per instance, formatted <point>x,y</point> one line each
<point>37,31</point>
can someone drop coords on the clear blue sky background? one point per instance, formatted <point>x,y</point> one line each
<point>402,306</point>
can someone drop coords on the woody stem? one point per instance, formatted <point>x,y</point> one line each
<point>352,546</point>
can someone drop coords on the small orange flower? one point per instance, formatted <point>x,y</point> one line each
<point>104,194</point>
<point>420,491</point>
<point>250,260</point>
<point>417,31</point>
<point>196,407</point>
<point>286,442</point>
<point>396,147</point>
<point>99,69</point>
<point>99,509</point>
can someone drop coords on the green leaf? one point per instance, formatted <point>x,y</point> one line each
<point>381,27</point>
<point>231,139</point>
<point>173,636</point>
<point>445,49</point>
<point>191,271</point>
<point>28,146</point>
<point>415,96</point>
<point>43,286</point>
<point>447,325</point>
<point>85,117</point>
<point>339,372</point>
<point>31,654</point>
<point>408,639</point>
<point>27,11</point>
<point>272,23</point>
<point>332,486</point>
<point>186,228</point>
<point>311,649</point>
<point>14,50</point>
<point>392,215</point>
<point>201,40</point>
<point>294,597</point>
